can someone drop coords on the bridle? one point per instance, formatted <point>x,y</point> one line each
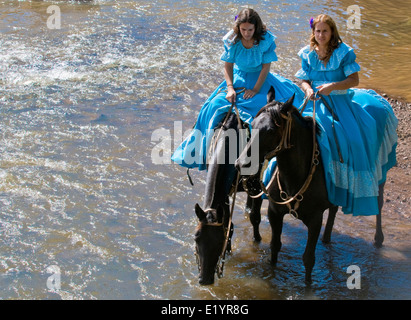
<point>227,230</point>
<point>285,144</point>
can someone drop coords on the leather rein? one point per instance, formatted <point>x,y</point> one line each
<point>285,144</point>
<point>287,200</point>
<point>227,230</point>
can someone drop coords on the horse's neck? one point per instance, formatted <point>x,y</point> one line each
<point>221,170</point>
<point>210,186</point>
<point>294,163</point>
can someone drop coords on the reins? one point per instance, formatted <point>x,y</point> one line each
<point>285,144</point>
<point>221,259</point>
<point>233,106</point>
<point>227,230</point>
<point>297,198</point>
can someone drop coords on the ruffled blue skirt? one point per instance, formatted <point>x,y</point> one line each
<point>192,152</point>
<point>367,138</point>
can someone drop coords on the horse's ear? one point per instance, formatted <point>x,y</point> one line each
<point>199,212</point>
<point>288,104</point>
<point>291,100</point>
<point>271,95</point>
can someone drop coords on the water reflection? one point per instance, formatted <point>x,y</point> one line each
<point>384,273</point>
<point>78,188</point>
<point>383,42</point>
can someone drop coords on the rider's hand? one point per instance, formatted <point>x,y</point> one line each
<point>309,93</point>
<point>249,94</point>
<point>325,89</point>
<point>231,95</point>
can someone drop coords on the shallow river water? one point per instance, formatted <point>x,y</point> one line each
<point>85,211</point>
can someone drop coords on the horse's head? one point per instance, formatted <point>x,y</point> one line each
<point>270,124</point>
<point>210,237</point>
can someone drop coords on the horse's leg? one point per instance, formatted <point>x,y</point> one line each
<point>254,210</point>
<point>379,236</point>
<point>332,211</point>
<point>314,228</point>
<point>276,222</point>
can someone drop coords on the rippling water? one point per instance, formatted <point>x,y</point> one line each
<point>79,190</point>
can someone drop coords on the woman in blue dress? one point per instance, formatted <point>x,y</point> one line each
<point>360,149</point>
<point>249,50</point>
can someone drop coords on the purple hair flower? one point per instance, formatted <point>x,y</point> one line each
<point>235,19</point>
<point>312,22</point>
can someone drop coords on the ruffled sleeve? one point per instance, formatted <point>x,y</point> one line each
<point>303,73</point>
<point>348,63</point>
<point>229,47</point>
<point>268,48</point>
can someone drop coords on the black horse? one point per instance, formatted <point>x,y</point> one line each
<point>299,184</point>
<point>213,234</point>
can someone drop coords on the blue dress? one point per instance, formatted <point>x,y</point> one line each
<point>365,131</point>
<point>192,152</point>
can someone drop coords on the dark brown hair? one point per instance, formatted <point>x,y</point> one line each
<point>251,16</point>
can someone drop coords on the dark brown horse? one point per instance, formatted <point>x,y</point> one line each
<point>299,185</point>
<point>213,234</point>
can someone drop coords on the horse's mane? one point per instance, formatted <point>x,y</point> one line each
<point>231,122</point>
<point>274,111</point>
